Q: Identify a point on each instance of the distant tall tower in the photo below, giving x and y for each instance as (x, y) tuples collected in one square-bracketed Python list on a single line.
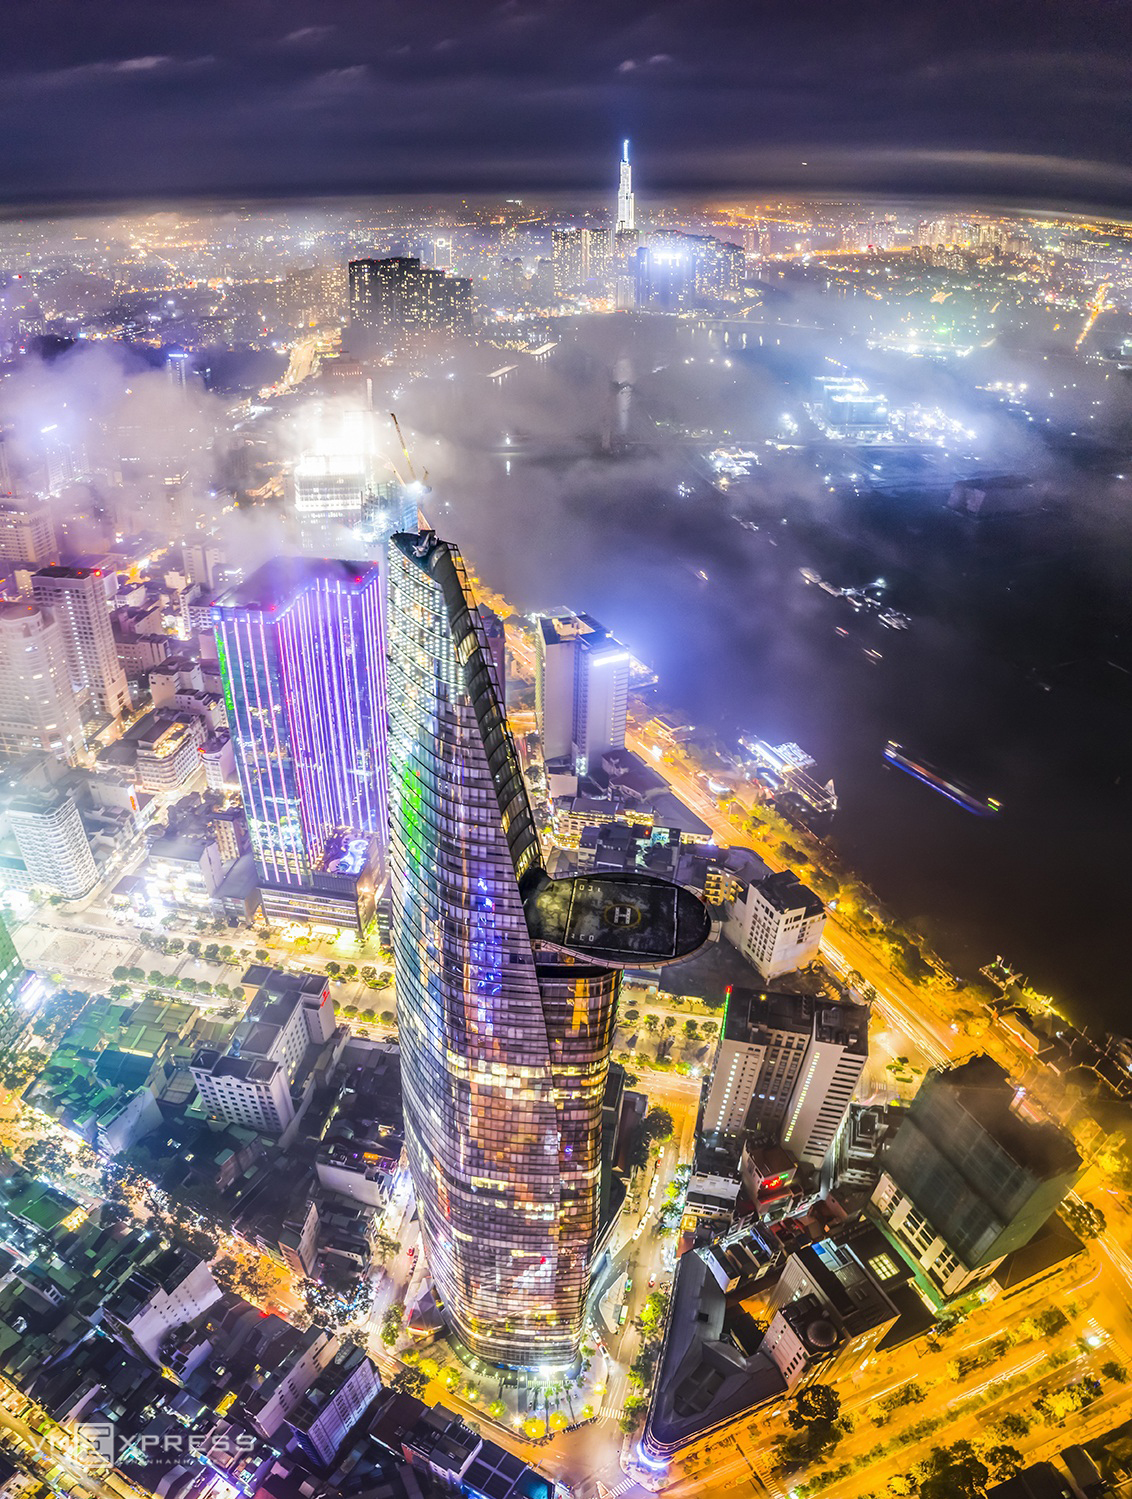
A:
[(626, 220)]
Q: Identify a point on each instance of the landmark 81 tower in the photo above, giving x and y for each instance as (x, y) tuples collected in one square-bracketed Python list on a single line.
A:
[(507, 984)]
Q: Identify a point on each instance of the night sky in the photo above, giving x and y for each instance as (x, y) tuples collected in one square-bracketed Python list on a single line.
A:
[(130, 98)]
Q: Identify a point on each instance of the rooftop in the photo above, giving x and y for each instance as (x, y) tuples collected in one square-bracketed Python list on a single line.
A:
[(617, 918), (278, 582), (785, 892)]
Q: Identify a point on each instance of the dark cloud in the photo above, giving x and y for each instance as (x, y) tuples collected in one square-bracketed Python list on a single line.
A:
[(127, 98)]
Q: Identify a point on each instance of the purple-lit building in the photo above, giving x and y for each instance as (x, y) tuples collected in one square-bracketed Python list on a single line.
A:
[(302, 655)]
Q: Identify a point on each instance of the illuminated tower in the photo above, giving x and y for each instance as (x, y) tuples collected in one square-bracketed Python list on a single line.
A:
[(301, 653), (626, 221), (507, 983)]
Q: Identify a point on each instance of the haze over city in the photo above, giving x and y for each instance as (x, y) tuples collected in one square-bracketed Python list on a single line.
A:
[(564, 736)]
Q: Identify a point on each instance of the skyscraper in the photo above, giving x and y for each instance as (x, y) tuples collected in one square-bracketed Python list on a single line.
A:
[(301, 652), (581, 689), (507, 983), (397, 303), (76, 596), (38, 705), (626, 218)]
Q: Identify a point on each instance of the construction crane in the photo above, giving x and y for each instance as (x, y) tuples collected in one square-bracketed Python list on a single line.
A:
[(405, 449)]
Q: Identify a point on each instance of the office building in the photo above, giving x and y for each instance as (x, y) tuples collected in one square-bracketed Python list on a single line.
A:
[(76, 598), (255, 1082), (776, 923), (972, 1173), (27, 536), (507, 983), (786, 1068), (39, 708), (626, 220), (398, 303), (14, 983), (53, 842), (302, 659), (581, 690)]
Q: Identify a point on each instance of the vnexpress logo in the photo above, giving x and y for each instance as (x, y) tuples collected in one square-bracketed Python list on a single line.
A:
[(100, 1436)]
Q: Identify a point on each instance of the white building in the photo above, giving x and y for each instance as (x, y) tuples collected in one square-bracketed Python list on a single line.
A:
[(581, 690), (53, 842), (76, 596), (27, 536), (251, 1083), (835, 1059), (38, 705), (787, 1067), (334, 1404), (776, 923), (174, 1290)]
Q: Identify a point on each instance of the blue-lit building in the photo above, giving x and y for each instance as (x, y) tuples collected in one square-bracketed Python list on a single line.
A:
[(301, 648), (507, 983)]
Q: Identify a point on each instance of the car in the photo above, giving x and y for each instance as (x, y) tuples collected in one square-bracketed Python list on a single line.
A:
[(638, 1231), (652, 1279)]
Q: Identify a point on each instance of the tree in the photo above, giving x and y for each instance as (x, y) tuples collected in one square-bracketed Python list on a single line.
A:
[(385, 1247), (631, 1017), (261, 954), (1086, 1221), (815, 1402), (120, 973), (954, 1472), (1013, 1424), (1115, 1371), (412, 1382), (1003, 1462), (652, 1023), (657, 1125), (388, 1017), (392, 1322), (670, 1022), (691, 1029)]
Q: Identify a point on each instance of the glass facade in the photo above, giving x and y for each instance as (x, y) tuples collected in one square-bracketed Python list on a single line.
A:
[(13, 976), (301, 648), (504, 1049)]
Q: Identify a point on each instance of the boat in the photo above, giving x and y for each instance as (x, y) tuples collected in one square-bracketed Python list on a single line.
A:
[(874, 656), (921, 770), (893, 619), (809, 575), (841, 630)]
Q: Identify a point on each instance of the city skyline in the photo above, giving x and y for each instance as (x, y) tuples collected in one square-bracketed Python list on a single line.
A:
[(561, 763)]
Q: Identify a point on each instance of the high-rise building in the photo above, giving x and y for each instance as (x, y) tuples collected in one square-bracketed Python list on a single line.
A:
[(581, 259), (581, 690), (53, 842), (776, 923), (333, 477), (972, 1174), (290, 1018), (38, 705), (786, 1068), (14, 980), (507, 983), (27, 536), (76, 597), (301, 650), (626, 221), (398, 303)]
